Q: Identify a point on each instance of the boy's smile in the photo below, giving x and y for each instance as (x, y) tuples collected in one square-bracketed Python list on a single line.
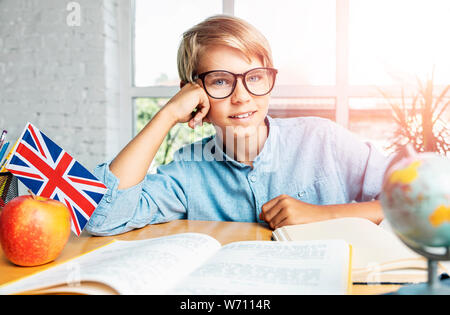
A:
[(243, 116)]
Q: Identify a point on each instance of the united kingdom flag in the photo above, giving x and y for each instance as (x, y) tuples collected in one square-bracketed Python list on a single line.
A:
[(49, 171)]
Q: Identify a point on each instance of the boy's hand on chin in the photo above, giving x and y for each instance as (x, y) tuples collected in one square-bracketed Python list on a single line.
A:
[(182, 105), (286, 210)]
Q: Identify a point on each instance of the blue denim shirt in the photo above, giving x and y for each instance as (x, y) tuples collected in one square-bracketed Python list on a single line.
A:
[(312, 159)]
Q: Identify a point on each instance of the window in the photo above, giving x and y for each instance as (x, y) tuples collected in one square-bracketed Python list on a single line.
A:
[(302, 35), (159, 26), (392, 42), (333, 56)]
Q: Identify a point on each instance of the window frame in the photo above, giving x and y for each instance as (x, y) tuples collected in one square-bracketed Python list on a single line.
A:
[(342, 91)]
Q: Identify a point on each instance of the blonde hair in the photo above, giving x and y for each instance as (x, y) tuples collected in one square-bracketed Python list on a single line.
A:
[(220, 30)]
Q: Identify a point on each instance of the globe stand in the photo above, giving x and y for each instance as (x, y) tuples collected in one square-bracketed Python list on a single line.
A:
[(433, 286)]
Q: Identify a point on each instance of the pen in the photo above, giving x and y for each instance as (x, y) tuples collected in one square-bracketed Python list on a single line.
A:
[(3, 150), (2, 137), (2, 166)]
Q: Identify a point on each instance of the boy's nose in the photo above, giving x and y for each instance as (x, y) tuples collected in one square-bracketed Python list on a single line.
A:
[(240, 93)]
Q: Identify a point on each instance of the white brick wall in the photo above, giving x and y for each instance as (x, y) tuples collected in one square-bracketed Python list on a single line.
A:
[(64, 79)]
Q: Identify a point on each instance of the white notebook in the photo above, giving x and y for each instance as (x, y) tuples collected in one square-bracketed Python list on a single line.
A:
[(378, 255)]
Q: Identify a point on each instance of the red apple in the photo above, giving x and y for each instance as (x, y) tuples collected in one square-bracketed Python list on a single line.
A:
[(33, 230)]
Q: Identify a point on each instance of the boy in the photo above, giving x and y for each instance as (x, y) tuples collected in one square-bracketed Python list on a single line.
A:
[(256, 168)]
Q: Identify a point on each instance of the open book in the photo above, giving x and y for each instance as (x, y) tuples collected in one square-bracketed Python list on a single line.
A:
[(194, 263), (378, 255)]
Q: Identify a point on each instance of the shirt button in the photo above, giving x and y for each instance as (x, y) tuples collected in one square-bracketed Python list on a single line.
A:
[(108, 198), (252, 178), (301, 194)]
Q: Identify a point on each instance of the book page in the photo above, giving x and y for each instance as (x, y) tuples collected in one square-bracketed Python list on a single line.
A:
[(265, 267), (129, 267)]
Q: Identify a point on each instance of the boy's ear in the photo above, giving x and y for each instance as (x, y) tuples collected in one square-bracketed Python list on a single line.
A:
[(182, 83)]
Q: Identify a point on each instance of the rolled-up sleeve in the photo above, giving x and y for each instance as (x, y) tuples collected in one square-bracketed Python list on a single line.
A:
[(158, 198), (361, 166)]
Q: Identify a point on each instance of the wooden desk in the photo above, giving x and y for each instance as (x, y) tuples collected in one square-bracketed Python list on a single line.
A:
[(224, 232)]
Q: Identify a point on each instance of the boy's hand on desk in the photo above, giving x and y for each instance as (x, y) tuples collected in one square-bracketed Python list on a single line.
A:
[(286, 210)]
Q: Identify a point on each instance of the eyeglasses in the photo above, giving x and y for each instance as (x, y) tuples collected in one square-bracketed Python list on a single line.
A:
[(221, 84)]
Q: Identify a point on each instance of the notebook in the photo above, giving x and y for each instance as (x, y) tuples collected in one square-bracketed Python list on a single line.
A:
[(378, 255)]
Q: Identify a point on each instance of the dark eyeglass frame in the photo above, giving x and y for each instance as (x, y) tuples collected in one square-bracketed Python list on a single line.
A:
[(202, 76)]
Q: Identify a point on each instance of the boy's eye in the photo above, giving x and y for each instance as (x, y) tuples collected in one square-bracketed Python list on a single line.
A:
[(254, 78), (220, 82)]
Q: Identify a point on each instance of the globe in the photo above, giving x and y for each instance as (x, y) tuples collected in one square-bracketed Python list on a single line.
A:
[(416, 199)]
